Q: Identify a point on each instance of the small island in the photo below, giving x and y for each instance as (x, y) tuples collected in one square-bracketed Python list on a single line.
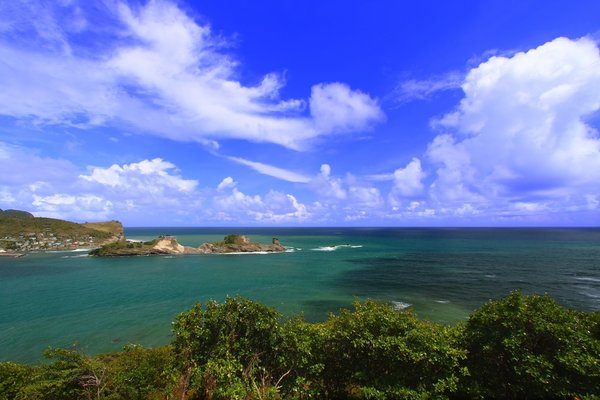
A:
[(168, 245)]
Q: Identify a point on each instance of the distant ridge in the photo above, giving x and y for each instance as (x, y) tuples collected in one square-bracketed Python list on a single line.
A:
[(16, 214)]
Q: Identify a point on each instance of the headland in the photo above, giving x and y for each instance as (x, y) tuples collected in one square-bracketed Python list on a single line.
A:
[(21, 232)]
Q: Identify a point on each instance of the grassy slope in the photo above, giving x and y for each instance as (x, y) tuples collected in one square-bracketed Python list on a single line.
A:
[(14, 224), (112, 227)]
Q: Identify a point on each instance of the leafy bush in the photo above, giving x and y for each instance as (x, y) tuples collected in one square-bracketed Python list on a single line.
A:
[(138, 373), (378, 351), (233, 239), (530, 347), (238, 340), (517, 347), (13, 377), (68, 377)]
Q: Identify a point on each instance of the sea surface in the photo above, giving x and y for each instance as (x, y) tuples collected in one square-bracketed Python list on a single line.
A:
[(102, 304)]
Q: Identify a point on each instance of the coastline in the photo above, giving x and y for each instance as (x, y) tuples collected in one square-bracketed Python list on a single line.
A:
[(11, 254)]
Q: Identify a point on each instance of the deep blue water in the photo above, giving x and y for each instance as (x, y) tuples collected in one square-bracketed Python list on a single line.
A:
[(58, 299)]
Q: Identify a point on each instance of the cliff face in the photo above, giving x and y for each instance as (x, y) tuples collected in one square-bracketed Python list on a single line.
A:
[(169, 245)]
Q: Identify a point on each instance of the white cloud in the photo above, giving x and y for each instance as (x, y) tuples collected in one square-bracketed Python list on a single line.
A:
[(337, 108), (237, 202), (147, 176), (327, 187), (82, 207), (521, 140), (415, 89), (408, 181), (227, 182), (167, 67), (362, 196), (275, 207), (271, 170), (282, 208)]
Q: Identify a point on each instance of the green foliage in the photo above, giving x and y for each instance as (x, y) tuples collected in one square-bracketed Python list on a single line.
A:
[(15, 223), (302, 354), (13, 377), (138, 373), (112, 227), (387, 352), (8, 244), (517, 347), (66, 378), (530, 347), (16, 214), (233, 239), (124, 248), (238, 341)]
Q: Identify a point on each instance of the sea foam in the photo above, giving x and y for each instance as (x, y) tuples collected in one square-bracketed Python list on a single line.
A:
[(400, 305), (336, 247)]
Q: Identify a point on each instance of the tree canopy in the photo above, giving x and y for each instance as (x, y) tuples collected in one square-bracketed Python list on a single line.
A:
[(518, 347)]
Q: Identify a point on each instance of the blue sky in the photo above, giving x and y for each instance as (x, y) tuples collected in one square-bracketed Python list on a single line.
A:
[(353, 113)]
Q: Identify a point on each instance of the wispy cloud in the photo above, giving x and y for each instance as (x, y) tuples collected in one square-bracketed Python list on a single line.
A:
[(270, 170), (421, 89), (167, 67)]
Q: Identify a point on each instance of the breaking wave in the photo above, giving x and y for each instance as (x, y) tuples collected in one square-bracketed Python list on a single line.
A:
[(400, 305), (336, 247)]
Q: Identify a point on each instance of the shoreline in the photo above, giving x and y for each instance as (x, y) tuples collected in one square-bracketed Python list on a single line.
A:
[(13, 255)]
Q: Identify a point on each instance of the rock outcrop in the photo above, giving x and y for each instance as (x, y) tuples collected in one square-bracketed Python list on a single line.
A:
[(246, 246), (166, 245)]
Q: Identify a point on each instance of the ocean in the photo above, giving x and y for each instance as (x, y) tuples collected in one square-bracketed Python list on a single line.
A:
[(101, 304)]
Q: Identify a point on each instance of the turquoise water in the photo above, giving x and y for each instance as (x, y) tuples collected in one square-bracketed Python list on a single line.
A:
[(58, 299)]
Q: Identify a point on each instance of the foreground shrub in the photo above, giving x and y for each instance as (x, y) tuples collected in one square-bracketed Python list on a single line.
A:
[(530, 347), (13, 377), (517, 347), (237, 342), (138, 373), (378, 352), (70, 376)]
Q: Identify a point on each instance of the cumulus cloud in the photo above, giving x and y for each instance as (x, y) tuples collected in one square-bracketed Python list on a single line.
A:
[(275, 207), (408, 181), (165, 66), (282, 208), (328, 187), (520, 139), (144, 177), (337, 108), (363, 196), (56, 188)]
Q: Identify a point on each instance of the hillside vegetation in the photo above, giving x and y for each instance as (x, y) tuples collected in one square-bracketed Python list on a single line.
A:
[(520, 347), (113, 227), (125, 248), (20, 230)]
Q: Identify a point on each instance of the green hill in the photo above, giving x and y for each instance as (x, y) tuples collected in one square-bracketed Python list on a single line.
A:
[(16, 214), (20, 230)]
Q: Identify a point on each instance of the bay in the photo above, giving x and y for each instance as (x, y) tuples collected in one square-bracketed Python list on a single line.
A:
[(101, 304)]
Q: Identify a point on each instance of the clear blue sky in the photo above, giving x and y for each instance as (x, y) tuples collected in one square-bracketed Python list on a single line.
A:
[(302, 113)]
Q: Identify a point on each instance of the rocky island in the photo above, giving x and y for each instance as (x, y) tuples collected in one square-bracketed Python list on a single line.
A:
[(168, 245)]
